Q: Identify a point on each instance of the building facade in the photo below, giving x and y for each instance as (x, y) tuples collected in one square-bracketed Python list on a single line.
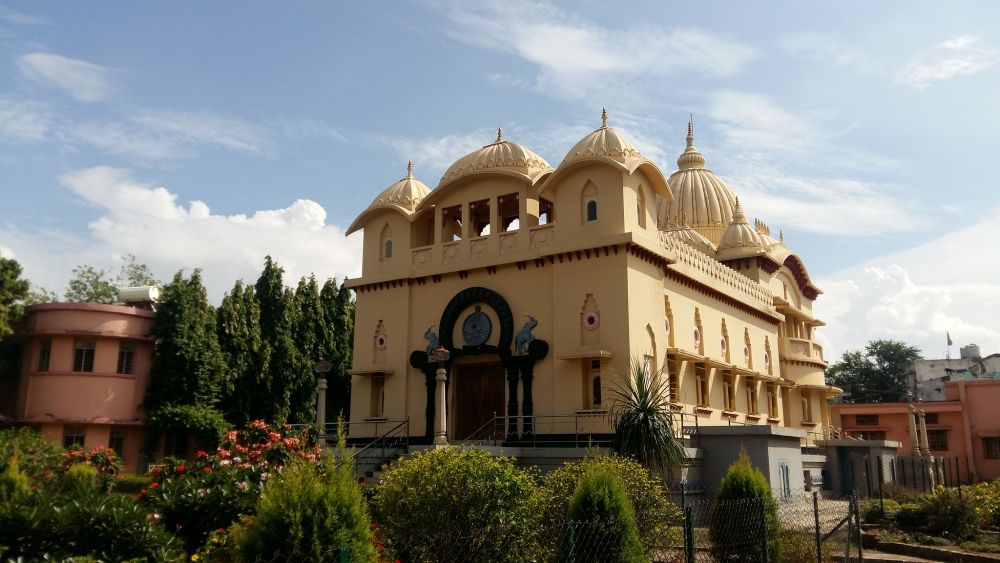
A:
[(927, 377), (544, 283), (963, 427), (84, 372)]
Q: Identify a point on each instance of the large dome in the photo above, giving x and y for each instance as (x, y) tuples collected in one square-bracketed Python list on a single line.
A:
[(604, 142), (502, 156), (699, 194), (403, 196)]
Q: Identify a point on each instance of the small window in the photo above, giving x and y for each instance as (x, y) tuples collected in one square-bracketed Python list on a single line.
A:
[(806, 407), (545, 212), (451, 223), (937, 440), (729, 392), (44, 355), (116, 441), (387, 250), (126, 355), (672, 376), (991, 448), (595, 388), (509, 212), (752, 406), (866, 419), (386, 238), (479, 214), (591, 210), (83, 355), (73, 436), (931, 418), (772, 401), (702, 382), (378, 395)]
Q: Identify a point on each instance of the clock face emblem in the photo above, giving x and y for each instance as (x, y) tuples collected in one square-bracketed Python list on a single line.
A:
[(477, 328)]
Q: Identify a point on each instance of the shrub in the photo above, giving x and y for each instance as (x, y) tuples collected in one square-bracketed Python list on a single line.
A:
[(303, 515), (80, 480), (104, 460), (608, 532), (951, 515), (459, 499), (131, 484), (797, 547), (911, 516), (206, 424), (899, 493), (986, 499), (36, 456), (872, 512), (53, 525), (14, 483), (744, 521), (653, 512)]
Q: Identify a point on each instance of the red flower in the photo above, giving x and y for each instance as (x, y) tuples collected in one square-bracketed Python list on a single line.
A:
[(181, 468), (201, 453), (374, 526), (155, 471), (206, 469), (153, 485)]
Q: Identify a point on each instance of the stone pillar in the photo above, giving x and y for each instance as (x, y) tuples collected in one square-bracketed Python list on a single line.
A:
[(321, 409), (511, 402), (914, 437), (924, 445), (441, 428), (430, 382), (527, 406)]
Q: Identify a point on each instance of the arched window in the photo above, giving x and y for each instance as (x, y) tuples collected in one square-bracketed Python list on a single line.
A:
[(386, 242), (640, 207), (588, 200)]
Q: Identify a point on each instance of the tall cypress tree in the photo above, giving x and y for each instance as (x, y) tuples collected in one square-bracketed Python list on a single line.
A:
[(276, 321), (343, 325), (247, 390), (310, 334), (188, 366)]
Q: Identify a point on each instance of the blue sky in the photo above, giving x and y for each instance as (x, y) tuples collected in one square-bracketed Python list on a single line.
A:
[(209, 135)]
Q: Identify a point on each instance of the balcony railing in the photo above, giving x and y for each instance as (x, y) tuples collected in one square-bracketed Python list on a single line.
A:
[(800, 348)]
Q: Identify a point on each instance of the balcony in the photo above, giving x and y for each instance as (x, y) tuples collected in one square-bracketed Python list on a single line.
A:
[(801, 349)]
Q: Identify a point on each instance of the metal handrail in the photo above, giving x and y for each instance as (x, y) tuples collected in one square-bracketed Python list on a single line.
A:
[(401, 430), (499, 424)]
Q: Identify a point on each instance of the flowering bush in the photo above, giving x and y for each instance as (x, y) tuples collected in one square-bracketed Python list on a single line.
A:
[(104, 460), (36, 456), (986, 499), (194, 497)]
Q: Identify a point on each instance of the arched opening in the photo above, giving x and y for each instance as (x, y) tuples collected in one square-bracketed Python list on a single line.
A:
[(588, 199), (386, 242), (640, 207)]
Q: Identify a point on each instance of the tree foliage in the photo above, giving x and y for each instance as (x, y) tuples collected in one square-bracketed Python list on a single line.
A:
[(877, 374), (744, 511), (91, 285), (247, 387), (643, 423), (609, 527), (13, 293)]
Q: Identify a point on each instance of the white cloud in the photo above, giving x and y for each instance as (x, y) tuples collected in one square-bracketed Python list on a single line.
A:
[(431, 156), (87, 82), (23, 120), (147, 221), (947, 284), (819, 46), (575, 57), (20, 18), (765, 146), (959, 56)]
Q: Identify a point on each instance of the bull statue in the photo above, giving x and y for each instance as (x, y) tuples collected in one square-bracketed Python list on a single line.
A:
[(524, 336)]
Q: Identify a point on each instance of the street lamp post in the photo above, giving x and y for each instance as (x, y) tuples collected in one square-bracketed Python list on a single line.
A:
[(441, 356), (322, 368)]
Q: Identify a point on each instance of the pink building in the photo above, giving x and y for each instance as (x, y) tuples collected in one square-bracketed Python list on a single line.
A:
[(966, 425), (84, 372)]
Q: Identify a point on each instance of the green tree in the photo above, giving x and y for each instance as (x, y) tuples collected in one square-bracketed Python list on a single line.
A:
[(643, 423), (604, 520), (188, 366), (277, 315), (338, 315), (877, 374), (90, 285), (744, 519), (134, 273), (13, 293), (310, 334), (247, 387)]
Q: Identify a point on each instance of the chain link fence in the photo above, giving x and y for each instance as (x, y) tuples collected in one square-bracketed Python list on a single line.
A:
[(798, 528)]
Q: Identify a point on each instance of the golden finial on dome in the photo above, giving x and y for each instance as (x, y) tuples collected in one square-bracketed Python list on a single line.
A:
[(690, 136), (409, 168), (781, 235), (499, 134), (604, 118)]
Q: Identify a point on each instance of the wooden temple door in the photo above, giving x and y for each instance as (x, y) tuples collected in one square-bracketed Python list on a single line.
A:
[(479, 395)]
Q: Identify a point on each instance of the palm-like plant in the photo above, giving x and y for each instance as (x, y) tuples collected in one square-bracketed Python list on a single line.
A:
[(642, 420)]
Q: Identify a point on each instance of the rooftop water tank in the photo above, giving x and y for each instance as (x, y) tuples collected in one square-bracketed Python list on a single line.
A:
[(143, 296), (969, 352)]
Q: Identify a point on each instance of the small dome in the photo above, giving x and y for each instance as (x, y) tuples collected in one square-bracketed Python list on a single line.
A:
[(403, 196), (684, 233), (405, 193), (740, 239), (698, 193), (604, 142), (502, 155)]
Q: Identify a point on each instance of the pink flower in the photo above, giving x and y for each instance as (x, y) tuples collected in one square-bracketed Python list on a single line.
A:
[(201, 453)]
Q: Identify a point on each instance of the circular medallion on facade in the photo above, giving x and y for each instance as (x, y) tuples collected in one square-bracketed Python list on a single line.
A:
[(746, 353), (542, 238), (666, 323), (724, 345), (422, 258), (697, 337), (478, 248), (509, 242), (767, 359), (380, 341), (451, 253), (591, 320), (477, 328)]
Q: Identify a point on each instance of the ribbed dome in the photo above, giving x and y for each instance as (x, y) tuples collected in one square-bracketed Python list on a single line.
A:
[(405, 193), (604, 142), (698, 193), (501, 155), (740, 239)]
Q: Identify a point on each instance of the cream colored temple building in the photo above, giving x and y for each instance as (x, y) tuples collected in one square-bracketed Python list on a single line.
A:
[(543, 282)]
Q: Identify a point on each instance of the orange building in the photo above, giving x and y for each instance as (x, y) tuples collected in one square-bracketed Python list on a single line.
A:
[(965, 426), (84, 372)]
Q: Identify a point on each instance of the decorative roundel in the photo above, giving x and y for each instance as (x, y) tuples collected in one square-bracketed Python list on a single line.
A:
[(591, 320), (724, 345), (380, 341), (746, 353), (697, 337), (767, 359), (666, 323)]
